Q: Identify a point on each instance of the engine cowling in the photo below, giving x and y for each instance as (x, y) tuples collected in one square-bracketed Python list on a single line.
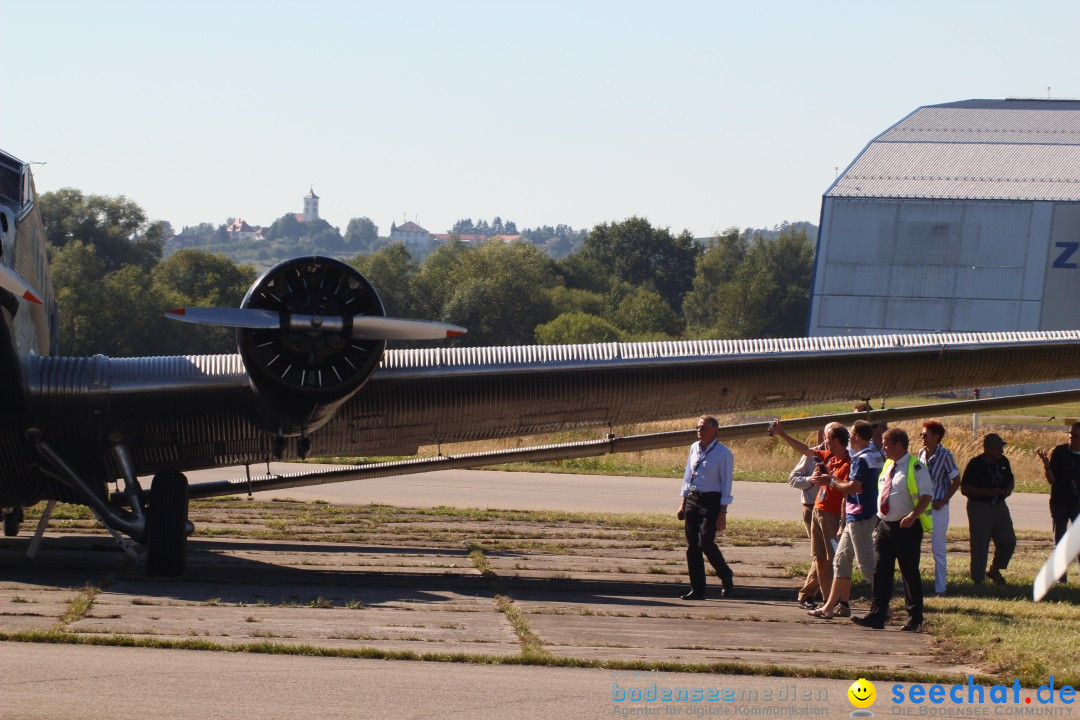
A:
[(304, 370)]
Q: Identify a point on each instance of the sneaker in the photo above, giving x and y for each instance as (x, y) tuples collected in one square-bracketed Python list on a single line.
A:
[(808, 604), (911, 626), (842, 609), (995, 575)]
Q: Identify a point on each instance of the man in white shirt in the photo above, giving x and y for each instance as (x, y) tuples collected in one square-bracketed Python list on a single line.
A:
[(706, 494), (905, 492)]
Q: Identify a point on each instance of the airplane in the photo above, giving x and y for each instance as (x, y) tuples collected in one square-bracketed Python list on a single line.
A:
[(312, 373)]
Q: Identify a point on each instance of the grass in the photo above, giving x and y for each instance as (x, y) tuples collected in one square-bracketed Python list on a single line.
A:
[(1000, 628), (78, 606)]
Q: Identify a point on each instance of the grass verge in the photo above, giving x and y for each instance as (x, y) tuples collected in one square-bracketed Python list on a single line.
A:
[(531, 646)]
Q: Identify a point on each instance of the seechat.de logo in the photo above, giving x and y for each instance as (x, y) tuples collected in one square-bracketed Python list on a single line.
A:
[(862, 695)]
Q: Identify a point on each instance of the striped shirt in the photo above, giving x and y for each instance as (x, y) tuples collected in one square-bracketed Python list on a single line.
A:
[(942, 470)]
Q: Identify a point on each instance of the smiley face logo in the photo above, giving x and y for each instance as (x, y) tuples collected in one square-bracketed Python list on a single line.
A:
[(861, 693)]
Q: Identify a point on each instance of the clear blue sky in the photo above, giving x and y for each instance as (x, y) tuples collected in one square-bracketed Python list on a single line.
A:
[(697, 115)]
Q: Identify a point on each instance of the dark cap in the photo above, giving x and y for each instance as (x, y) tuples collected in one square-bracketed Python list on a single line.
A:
[(993, 439)]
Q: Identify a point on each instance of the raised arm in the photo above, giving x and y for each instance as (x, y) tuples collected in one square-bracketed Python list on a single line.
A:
[(799, 447)]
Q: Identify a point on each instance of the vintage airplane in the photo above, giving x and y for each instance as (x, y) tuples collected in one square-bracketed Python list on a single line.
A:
[(311, 337)]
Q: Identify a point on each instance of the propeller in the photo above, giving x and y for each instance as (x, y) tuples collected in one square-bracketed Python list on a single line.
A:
[(14, 284), (1067, 550), (367, 327)]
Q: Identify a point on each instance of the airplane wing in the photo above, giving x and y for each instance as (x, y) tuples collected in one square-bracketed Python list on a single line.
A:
[(204, 411)]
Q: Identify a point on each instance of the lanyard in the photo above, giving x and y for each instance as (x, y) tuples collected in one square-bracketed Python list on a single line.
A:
[(701, 459)]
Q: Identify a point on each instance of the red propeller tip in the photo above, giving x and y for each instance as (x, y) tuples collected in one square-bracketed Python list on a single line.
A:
[(453, 333), (178, 311), (32, 297)]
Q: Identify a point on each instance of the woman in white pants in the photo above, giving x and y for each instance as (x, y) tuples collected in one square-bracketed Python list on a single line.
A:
[(946, 477)]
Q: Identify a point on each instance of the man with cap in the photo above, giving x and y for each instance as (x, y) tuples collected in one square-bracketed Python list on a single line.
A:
[(987, 482)]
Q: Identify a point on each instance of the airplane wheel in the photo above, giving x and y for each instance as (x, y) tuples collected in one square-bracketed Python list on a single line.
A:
[(12, 521), (166, 525)]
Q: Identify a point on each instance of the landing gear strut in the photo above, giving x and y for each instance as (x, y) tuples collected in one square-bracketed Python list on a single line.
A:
[(160, 523)]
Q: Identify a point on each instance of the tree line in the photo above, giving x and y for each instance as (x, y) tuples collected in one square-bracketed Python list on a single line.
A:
[(627, 281)]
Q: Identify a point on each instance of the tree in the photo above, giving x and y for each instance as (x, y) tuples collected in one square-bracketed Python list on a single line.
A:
[(585, 272), (769, 293), (115, 227), (645, 315), (497, 290), (637, 253), (203, 232), (77, 274), (361, 235), (566, 300), (324, 238), (392, 271), (497, 226), (463, 227), (132, 322), (435, 281), (118, 313), (715, 269), (286, 227), (204, 278), (577, 327)]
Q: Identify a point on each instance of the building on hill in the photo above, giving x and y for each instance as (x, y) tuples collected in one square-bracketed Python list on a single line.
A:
[(961, 217), (410, 232), (238, 231), (311, 207)]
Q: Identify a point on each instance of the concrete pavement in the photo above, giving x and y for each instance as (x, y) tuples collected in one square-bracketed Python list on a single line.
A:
[(560, 491)]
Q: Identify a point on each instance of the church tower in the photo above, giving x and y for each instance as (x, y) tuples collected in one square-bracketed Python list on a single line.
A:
[(311, 206)]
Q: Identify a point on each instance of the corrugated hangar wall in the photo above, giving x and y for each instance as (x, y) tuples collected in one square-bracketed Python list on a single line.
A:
[(961, 217)]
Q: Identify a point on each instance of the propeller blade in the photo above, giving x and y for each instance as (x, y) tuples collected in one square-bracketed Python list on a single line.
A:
[(1067, 550), (14, 284), (372, 327), (250, 318), (364, 326)]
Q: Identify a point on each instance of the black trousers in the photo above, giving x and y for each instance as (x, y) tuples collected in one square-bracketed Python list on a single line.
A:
[(896, 545), (700, 525)]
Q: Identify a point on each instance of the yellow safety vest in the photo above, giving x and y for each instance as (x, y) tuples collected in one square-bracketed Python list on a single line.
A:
[(925, 520)]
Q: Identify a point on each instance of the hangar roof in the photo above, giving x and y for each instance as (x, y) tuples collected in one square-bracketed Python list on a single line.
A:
[(1015, 149)]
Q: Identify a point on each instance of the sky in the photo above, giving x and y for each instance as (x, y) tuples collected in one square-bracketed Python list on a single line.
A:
[(696, 115)]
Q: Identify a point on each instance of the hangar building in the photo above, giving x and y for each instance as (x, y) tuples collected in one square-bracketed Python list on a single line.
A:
[(961, 217)]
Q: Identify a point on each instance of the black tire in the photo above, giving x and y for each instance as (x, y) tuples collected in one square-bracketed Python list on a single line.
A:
[(12, 521), (166, 525)]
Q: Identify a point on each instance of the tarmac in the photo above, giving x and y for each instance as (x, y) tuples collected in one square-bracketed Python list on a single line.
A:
[(565, 491), (583, 592)]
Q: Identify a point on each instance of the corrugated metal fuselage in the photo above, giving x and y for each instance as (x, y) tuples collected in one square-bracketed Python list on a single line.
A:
[(194, 412)]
